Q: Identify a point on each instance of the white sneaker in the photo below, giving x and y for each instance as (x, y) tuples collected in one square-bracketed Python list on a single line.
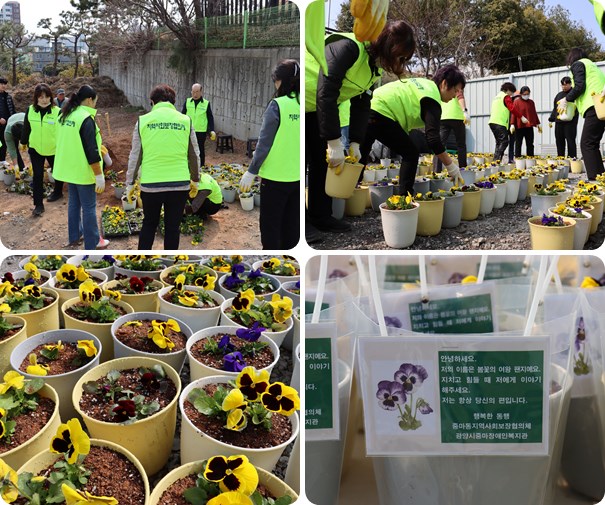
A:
[(103, 243)]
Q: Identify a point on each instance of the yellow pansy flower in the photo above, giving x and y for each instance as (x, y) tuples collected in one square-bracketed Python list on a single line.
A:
[(70, 440), (88, 346), (230, 498), (282, 307), (5, 308), (243, 301), (34, 368), (589, 282), (233, 473), (8, 492), (73, 497), (234, 400), (12, 379), (32, 270)]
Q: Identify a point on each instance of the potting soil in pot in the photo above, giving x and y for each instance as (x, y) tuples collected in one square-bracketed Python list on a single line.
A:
[(28, 424), (71, 312), (259, 359), (174, 494), (10, 333), (137, 337), (112, 474), (100, 407), (68, 359), (253, 437)]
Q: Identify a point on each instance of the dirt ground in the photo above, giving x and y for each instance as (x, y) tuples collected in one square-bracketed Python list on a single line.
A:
[(231, 228)]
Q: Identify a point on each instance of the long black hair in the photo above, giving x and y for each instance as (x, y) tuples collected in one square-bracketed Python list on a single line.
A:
[(76, 99), (577, 53), (39, 90), (288, 72)]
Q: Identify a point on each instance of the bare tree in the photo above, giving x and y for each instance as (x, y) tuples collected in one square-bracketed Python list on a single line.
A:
[(53, 36)]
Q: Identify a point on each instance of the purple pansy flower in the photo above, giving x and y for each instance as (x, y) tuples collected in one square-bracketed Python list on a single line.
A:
[(232, 281), (109, 257), (254, 274), (424, 407), (456, 278), (392, 321), (411, 377), (390, 394), (251, 334), (234, 362), (581, 334), (29, 282), (225, 344), (297, 284), (238, 268)]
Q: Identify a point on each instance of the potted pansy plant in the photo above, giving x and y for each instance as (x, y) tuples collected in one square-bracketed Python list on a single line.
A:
[(139, 265), (238, 281), (30, 274), (228, 350), (224, 265), (39, 307), (131, 402), (139, 292), (198, 306), (582, 218), (29, 415), (222, 480), (12, 333), (102, 263), (399, 217), (51, 262), (251, 415), (551, 232), (245, 310), (195, 275), (430, 214), (283, 271), (76, 470)]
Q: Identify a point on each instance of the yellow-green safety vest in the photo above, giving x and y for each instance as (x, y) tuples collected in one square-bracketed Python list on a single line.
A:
[(599, 10), (207, 182), (165, 136), (358, 79), (198, 115), (452, 109), (400, 100), (595, 81), (71, 164), (281, 164), (43, 136), (344, 113), (500, 114)]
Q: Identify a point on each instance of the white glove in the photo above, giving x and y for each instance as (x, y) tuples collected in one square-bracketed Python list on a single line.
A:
[(512, 129), (354, 151), (212, 135), (467, 118), (336, 153), (49, 173), (107, 161), (524, 120), (99, 183), (245, 183), (453, 170), (562, 106)]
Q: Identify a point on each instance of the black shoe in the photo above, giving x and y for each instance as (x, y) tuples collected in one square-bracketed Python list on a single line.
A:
[(333, 225), (54, 197), (38, 210), (312, 235)]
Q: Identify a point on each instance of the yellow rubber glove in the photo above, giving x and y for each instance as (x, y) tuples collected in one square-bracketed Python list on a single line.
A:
[(539, 129), (212, 136), (22, 147), (193, 189)]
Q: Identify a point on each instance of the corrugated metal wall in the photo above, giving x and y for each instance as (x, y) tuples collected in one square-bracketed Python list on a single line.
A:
[(544, 85)]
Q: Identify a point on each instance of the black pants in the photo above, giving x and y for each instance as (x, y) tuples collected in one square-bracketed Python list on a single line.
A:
[(565, 132), (457, 126), (20, 162), (501, 135), (397, 140), (279, 214), (208, 208), (528, 135), (592, 133), (174, 205), (511, 147), (3, 147), (201, 139), (38, 169), (319, 204)]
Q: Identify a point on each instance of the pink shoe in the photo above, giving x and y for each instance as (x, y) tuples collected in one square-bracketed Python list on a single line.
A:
[(103, 243)]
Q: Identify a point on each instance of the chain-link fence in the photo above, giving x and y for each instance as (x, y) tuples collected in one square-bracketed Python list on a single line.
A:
[(272, 27)]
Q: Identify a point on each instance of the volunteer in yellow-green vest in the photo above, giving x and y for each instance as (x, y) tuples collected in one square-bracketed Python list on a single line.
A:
[(39, 133), (499, 120), (78, 162), (353, 68), (404, 105), (277, 161), (164, 157), (454, 118), (209, 198), (200, 112), (587, 79)]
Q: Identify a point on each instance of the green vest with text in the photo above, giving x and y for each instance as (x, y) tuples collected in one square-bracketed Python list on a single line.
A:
[(282, 162), (400, 101), (452, 110), (595, 81), (358, 79), (500, 114), (43, 136), (71, 164), (165, 136), (207, 182), (198, 115)]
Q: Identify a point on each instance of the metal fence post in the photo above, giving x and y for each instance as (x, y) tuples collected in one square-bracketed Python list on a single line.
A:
[(245, 28), (205, 33)]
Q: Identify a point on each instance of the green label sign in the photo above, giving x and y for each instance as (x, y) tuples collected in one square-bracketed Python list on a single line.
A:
[(318, 384), (401, 273), (471, 314), (503, 270), (491, 396), (310, 306)]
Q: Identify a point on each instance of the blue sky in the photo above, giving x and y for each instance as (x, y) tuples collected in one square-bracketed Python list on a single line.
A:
[(581, 10)]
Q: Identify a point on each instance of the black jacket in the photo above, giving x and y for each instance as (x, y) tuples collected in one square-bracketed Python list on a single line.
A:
[(7, 107), (341, 55), (553, 115), (578, 71)]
